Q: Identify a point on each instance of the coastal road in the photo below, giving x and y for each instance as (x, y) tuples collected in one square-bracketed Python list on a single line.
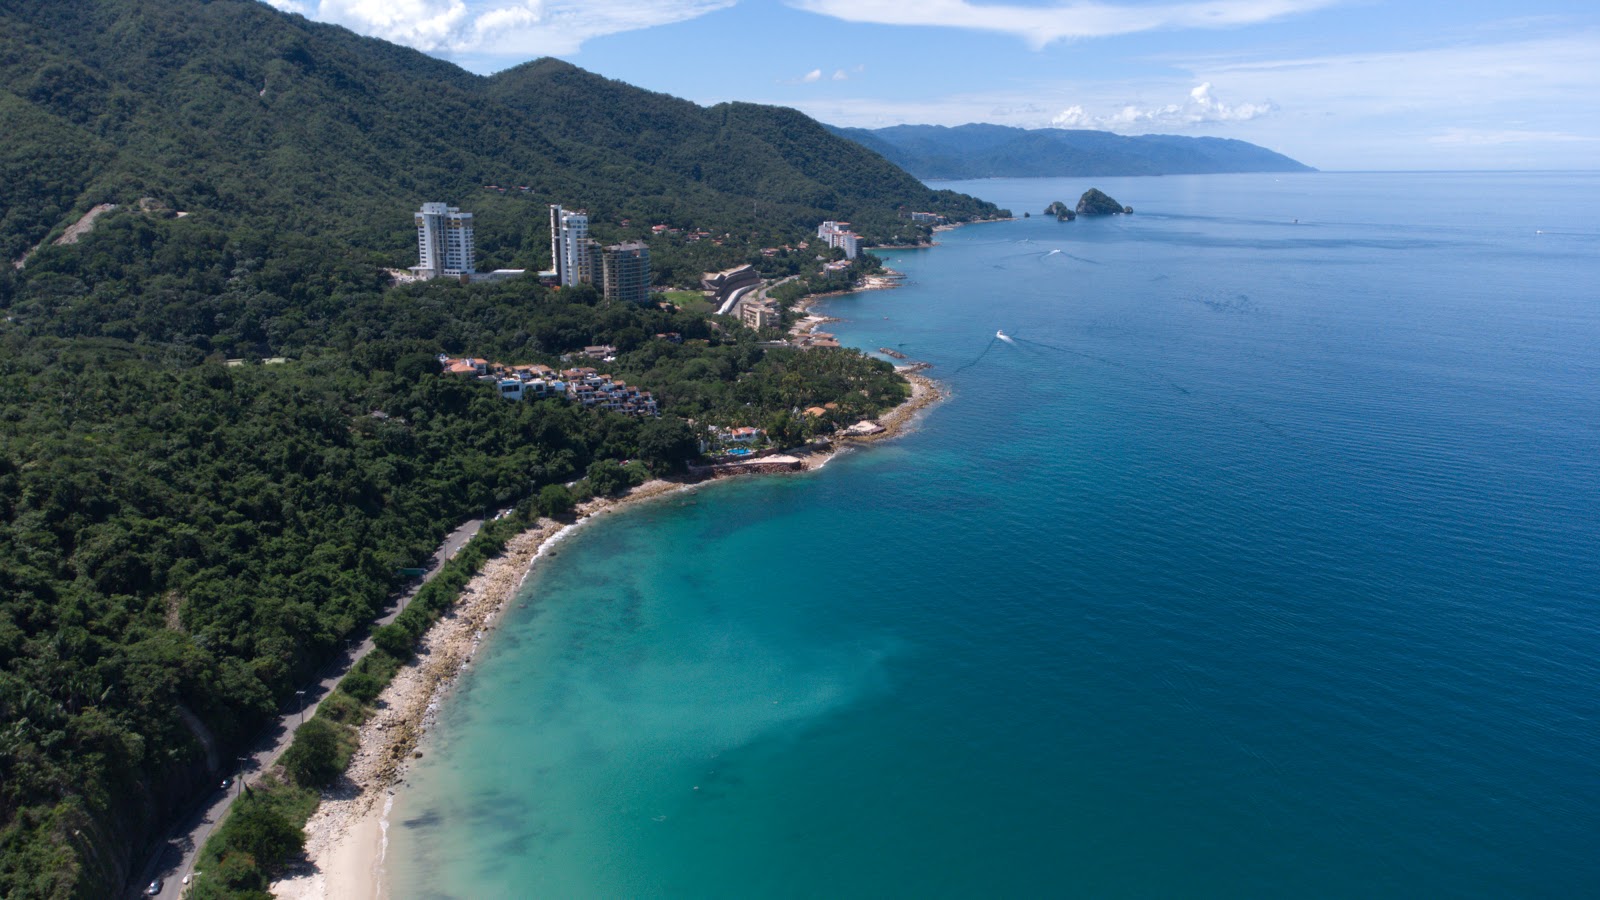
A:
[(176, 856)]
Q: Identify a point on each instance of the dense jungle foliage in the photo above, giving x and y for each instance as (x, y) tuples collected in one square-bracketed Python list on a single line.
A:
[(182, 542), (177, 534)]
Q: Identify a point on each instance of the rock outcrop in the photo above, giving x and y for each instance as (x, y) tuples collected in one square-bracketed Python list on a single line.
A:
[(1061, 211), (1094, 202)]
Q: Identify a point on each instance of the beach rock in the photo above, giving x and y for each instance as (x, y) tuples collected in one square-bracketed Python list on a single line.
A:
[(1094, 202)]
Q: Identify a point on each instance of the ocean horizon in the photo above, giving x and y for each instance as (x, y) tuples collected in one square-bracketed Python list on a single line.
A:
[(1263, 558)]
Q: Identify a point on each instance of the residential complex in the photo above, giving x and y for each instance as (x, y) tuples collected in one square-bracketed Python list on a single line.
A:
[(621, 271), (625, 272), (838, 234), (446, 249), (583, 385), (444, 241), (570, 248)]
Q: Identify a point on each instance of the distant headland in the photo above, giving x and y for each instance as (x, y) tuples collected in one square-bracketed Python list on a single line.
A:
[(936, 152)]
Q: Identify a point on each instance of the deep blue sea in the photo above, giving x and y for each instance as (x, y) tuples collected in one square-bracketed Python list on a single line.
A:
[(1264, 562)]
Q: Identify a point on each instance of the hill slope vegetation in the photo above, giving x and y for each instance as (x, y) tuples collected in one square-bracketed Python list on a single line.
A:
[(235, 111)]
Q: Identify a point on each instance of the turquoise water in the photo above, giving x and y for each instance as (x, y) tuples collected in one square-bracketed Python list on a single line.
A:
[(1264, 562)]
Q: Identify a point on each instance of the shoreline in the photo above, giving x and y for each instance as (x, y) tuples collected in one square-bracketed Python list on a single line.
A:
[(808, 322), (347, 835)]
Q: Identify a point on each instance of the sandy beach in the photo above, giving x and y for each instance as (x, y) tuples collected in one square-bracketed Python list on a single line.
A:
[(346, 838)]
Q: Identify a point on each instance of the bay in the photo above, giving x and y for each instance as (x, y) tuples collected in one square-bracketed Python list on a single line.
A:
[(1263, 560)]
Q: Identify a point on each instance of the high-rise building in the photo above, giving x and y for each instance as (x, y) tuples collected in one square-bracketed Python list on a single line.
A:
[(444, 241), (570, 254), (838, 234), (625, 272)]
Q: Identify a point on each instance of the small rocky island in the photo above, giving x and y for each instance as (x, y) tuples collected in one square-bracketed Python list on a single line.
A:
[(1094, 202), (1061, 211)]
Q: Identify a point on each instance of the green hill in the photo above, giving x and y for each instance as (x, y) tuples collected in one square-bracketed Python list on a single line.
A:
[(234, 111), (183, 541)]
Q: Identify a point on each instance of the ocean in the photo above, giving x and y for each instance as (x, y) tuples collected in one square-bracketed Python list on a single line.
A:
[(1264, 560)]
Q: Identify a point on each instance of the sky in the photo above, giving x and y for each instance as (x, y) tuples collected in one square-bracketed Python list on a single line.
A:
[(1336, 84)]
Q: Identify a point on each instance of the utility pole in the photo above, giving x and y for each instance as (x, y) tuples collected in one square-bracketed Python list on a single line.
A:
[(242, 761), (302, 696)]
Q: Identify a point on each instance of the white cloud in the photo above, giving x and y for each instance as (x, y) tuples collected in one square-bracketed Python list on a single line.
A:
[(1200, 108), (816, 75), (811, 77), (1515, 103), (520, 29), (1042, 25), (424, 24)]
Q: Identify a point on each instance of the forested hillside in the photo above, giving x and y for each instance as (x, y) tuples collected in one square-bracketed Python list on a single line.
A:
[(235, 112), (998, 151), (179, 537)]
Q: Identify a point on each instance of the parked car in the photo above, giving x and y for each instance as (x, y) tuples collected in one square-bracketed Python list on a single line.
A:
[(153, 889)]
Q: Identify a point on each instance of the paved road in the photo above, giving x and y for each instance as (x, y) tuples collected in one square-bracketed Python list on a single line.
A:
[(177, 856)]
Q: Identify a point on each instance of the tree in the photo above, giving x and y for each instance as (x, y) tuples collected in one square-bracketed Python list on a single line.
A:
[(667, 444), (361, 686), (393, 640), (607, 478), (554, 500), (263, 831), (415, 366), (234, 877), (314, 758)]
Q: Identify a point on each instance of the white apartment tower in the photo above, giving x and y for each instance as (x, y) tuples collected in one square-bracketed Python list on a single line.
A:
[(838, 234), (444, 241), (570, 253)]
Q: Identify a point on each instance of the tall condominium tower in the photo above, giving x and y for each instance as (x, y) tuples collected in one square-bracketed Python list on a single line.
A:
[(570, 255), (838, 234), (444, 241), (625, 272)]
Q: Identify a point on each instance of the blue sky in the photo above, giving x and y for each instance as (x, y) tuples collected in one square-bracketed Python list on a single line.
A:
[(1338, 84)]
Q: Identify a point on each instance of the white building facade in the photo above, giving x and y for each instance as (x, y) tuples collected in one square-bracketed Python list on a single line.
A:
[(838, 234), (445, 244), (570, 252)]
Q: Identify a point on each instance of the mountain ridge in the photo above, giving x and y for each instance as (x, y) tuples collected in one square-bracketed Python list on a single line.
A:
[(232, 109), (940, 152)]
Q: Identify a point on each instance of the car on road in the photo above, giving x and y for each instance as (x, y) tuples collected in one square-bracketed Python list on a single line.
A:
[(227, 783), (153, 888)]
